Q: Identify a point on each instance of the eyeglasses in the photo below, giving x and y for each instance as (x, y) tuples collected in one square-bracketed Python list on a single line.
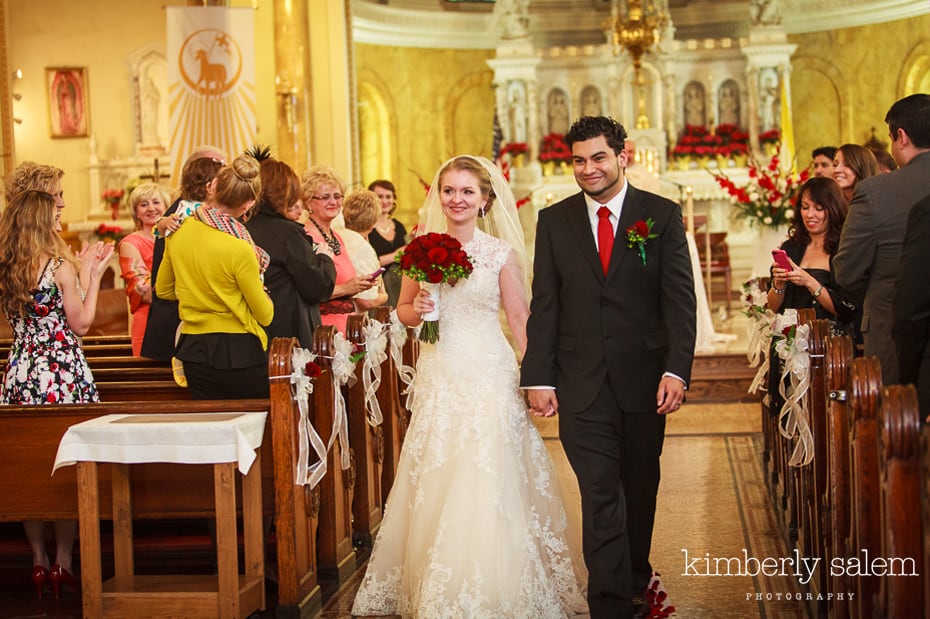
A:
[(336, 197)]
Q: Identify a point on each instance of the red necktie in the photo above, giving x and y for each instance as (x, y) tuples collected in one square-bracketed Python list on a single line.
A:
[(605, 236)]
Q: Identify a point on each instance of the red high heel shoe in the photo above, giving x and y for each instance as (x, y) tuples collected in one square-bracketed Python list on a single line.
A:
[(39, 578), (59, 576)]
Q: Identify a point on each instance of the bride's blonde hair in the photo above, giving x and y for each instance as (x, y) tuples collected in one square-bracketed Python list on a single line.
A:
[(27, 241)]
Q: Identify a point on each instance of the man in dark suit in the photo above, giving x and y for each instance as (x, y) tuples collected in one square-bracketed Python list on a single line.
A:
[(867, 261), (611, 340), (912, 305)]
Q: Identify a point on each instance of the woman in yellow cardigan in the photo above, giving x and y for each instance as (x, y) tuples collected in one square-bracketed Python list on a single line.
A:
[(214, 270)]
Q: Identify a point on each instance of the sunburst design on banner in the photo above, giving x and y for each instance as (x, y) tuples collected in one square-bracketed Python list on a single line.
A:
[(211, 86)]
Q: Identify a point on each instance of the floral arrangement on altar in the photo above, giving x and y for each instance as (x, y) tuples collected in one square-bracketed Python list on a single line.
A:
[(434, 258), (109, 234), (772, 136), (698, 142), (555, 149), (114, 199), (514, 148), (768, 199)]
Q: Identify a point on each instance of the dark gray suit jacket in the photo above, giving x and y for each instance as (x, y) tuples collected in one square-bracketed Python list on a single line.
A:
[(635, 323), (866, 263)]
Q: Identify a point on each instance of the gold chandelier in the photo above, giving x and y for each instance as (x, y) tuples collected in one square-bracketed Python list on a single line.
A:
[(635, 25)]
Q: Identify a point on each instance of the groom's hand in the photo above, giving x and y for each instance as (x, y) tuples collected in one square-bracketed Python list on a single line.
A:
[(543, 402), (670, 395)]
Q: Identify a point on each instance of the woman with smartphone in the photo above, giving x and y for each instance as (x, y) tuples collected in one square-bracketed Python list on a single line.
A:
[(801, 274)]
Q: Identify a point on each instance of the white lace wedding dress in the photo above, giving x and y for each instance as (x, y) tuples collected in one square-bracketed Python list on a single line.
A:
[(474, 525)]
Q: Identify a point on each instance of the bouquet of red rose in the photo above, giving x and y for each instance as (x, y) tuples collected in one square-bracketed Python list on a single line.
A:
[(434, 259)]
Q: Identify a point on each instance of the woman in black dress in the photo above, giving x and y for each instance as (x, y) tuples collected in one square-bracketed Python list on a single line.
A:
[(388, 237)]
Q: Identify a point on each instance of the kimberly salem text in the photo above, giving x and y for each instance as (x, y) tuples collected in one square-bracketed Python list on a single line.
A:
[(802, 568)]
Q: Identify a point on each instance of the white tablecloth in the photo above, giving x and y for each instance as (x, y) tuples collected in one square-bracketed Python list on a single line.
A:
[(184, 438)]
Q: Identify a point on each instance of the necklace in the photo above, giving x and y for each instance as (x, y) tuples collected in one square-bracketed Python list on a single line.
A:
[(331, 240)]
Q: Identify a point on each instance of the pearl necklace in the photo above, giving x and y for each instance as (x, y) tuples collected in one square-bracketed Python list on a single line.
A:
[(331, 240)]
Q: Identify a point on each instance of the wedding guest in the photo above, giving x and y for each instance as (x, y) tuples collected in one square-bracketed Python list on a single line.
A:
[(822, 161), (213, 268), (886, 162), (147, 204), (196, 177), (360, 211), (851, 164), (322, 191), (474, 525), (298, 278), (869, 256), (48, 308), (388, 238), (31, 175)]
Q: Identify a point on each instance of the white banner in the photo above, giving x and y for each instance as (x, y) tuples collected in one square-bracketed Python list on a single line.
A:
[(211, 80)]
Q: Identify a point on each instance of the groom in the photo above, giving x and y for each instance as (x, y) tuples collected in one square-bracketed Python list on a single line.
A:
[(611, 340)]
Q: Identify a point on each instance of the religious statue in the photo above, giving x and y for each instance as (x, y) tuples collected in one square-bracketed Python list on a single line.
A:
[(516, 115), (517, 19), (769, 103), (728, 104), (694, 105), (557, 108), (590, 101), (764, 13)]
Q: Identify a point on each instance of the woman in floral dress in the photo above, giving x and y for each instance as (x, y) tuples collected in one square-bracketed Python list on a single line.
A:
[(47, 309)]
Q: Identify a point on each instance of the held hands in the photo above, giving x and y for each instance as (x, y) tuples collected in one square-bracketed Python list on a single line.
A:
[(543, 402)]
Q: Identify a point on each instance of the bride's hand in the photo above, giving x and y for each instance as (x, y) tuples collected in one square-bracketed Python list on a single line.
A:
[(422, 304)]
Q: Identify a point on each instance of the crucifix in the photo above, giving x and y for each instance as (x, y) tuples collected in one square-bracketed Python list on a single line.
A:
[(155, 176)]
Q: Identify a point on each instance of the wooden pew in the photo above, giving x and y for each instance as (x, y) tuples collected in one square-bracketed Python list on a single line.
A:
[(335, 554), (367, 442), (296, 506), (899, 456), (865, 385), (925, 509), (839, 356)]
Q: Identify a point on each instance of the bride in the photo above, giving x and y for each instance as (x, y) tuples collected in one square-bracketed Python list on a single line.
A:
[(474, 525)]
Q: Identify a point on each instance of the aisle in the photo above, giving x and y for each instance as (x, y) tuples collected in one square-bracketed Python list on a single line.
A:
[(712, 500)]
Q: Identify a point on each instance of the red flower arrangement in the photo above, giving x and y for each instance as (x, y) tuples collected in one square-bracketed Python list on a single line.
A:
[(109, 234), (113, 196), (436, 259), (514, 148), (768, 198), (554, 148), (638, 234), (772, 136)]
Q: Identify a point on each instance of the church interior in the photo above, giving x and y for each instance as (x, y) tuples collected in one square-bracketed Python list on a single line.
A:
[(392, 88)]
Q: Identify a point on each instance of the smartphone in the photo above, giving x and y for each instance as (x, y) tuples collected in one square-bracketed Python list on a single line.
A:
[(377, 273), (781, 259)]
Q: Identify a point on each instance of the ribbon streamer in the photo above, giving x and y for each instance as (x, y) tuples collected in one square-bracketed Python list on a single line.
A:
[(343, 373), (398, 338), (375, 354), (794, 419), (302, 388), (759, 330)]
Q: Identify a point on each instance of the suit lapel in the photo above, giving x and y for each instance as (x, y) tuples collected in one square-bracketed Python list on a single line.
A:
[(580, 227), (634, 209)]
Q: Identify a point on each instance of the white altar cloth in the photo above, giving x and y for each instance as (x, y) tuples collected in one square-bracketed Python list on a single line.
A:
[(183, 438)]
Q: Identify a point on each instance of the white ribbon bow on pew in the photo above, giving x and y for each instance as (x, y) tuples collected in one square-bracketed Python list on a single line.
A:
[(375, 354), (794, 418), (398, 339), (343, 372), (307, 434)]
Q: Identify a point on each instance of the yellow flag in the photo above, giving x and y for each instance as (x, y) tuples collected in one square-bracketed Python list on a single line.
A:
[(787, 128)]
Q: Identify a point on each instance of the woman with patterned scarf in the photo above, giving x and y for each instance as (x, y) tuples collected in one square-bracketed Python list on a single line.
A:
[(213, 268)]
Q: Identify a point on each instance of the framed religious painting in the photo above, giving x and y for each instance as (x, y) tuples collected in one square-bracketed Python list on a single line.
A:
[(68, 110)]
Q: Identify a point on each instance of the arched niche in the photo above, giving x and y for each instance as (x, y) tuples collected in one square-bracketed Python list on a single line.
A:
[(557, 115), (729, 107), (375, 132), (915, 71), (694, 104)]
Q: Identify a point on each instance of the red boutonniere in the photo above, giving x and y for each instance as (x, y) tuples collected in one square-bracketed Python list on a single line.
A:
[(638, 234)]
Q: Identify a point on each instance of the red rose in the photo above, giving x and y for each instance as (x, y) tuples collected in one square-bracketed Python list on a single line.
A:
[(434, 275), (438, 255), (312, 370), (786, 331), (641, 228)]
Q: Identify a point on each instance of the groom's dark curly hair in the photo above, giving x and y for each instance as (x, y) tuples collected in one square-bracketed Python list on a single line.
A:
[(589, 127)]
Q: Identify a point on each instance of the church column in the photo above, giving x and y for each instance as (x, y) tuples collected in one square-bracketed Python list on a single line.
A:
[(292, 82), (332, 87)]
